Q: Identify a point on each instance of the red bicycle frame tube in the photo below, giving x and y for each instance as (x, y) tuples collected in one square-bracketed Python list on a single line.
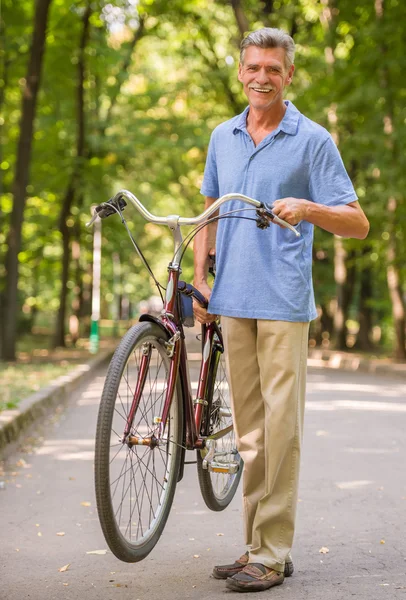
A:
[(138, 391), (207, 345)]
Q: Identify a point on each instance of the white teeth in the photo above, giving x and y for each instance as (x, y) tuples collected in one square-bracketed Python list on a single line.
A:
[(261, 90)]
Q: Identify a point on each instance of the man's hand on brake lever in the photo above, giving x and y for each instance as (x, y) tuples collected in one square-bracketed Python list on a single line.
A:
[(201, 313), (291, 210)]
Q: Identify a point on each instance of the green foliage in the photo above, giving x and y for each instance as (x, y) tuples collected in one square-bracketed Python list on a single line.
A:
[(160, 75)]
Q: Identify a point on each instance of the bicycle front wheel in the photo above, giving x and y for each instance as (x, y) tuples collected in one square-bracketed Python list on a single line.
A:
[(135, 483), (218, 488)]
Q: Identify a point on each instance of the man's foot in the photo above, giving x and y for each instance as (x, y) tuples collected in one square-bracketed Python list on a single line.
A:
[(225, 571), (254, 577)]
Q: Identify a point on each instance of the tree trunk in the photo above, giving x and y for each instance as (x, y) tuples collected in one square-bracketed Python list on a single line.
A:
[(241, 19), (59, 338), (395, 289), (364, 339), (28, 110), (345, 279)]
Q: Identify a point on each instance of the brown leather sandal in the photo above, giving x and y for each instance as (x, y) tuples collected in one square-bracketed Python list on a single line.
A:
[(254, 577), (225, 571)]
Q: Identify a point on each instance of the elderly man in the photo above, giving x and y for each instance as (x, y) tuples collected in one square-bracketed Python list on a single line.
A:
[(263, 289)]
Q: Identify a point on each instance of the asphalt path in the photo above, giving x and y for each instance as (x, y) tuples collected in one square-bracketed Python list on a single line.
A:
[(351, 531)]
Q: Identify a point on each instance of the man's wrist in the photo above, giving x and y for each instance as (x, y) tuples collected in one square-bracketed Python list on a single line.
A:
[(200, 278)]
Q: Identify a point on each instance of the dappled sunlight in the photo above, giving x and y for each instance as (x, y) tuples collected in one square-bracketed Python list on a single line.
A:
[(397, 390), (91, 396), (354, 485), (332, 405), (372, 450), (71, 449)]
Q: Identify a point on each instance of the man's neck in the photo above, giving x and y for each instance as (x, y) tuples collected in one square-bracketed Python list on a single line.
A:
[(265, 120)]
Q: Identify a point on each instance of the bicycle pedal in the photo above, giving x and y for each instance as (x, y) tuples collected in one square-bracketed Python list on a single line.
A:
[(227, 468)]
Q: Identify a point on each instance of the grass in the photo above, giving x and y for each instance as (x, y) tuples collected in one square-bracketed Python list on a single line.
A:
[(19, 380), (37, 365)]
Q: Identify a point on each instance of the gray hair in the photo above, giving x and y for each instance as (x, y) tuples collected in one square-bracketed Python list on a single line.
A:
[(270, 37)]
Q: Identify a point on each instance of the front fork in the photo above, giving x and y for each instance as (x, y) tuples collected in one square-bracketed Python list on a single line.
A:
[(173, 351)]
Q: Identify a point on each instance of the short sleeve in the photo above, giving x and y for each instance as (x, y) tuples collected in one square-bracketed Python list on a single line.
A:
[(329, 181), (210, 185)]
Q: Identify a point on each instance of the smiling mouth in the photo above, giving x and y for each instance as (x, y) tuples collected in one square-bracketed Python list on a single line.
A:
[(261, 90)]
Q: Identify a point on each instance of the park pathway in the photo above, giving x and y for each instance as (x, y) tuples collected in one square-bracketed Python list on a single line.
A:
[(351, 534)]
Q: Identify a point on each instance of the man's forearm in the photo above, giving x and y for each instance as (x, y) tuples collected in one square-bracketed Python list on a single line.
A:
[(347, 220), (204, 241)]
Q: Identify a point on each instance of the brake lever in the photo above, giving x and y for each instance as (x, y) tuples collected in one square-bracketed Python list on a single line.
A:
[(92, 220), (262, 222)]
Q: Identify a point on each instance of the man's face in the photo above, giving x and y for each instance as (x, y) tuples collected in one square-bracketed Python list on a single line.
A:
[(264, 76)]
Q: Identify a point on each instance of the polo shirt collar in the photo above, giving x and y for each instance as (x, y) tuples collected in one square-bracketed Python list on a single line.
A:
[(289, 123)]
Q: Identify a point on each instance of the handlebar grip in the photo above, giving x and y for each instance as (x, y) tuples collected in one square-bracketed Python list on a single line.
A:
[(268, 209), (190, 290)]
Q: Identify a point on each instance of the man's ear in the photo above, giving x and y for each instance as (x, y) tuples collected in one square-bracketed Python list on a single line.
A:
[(289, 76), (240, 67)]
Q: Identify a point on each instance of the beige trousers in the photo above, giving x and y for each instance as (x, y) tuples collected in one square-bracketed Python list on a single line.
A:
[(266, 363)]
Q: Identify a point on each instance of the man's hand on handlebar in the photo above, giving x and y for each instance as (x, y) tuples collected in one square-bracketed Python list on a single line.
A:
[(291, 210), (201, 313)]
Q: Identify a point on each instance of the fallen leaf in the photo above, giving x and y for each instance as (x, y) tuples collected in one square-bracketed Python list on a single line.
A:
[(71, 479), (193, 586), (64, 568), (17, 549), (97, 552), (36, 524), (66, 584), (191, 539), (324, 550), (39, 534), (219, 534), (382, 541), (60, 533), (86, 504), (196, 555), (120, 585)]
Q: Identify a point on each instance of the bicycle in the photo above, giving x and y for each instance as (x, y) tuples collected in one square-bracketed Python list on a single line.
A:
[(148, 417)]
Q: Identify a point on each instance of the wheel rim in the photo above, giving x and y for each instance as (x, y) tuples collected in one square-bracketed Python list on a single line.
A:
[(139, 476), (221, 418)]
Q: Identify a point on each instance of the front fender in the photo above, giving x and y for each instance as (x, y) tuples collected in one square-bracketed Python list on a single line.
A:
[(166, 328)]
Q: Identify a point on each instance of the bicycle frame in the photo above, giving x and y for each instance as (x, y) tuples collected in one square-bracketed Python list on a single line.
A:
[(170, 322)]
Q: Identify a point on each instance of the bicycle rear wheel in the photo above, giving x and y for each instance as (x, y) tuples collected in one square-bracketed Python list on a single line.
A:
[(135, 484), (218, 488)]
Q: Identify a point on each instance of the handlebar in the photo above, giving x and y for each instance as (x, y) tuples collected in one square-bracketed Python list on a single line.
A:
[(105, 209)]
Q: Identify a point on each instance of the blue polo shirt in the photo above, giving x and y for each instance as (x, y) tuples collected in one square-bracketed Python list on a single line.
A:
[(267, 274)]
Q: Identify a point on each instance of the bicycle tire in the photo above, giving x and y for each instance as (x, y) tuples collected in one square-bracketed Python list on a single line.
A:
[(145, 476), (218, 489)]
